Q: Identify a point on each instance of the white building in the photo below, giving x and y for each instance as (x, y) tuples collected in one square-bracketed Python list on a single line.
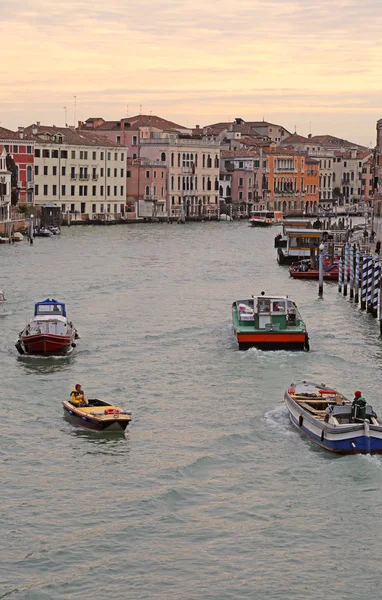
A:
[(5, 187), (82, 172), (192, 171)]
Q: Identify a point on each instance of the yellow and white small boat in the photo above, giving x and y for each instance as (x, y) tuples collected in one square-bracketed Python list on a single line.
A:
[(98, 415)]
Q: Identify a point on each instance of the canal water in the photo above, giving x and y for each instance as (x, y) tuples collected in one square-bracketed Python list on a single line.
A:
[(211, 494)]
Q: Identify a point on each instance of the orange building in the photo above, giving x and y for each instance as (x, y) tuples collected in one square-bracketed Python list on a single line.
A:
[(285, 181), (312, 184)]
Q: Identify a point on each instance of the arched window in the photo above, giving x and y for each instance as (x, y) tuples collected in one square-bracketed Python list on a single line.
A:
[(134, 156), (178, 159), (29, 173), (163, 157), (172, 182), (172, 159), (147, 190)]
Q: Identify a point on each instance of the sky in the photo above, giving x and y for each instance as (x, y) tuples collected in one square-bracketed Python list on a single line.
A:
[(314, 66)]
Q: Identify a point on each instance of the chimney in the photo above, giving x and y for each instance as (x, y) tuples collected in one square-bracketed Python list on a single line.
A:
[(80, 123), (197, 126), (309, 136), (20, 131), (38, 124)]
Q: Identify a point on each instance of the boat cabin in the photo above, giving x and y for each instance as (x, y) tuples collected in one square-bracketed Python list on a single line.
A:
[(271, 216), (270, 313), (50, 308)]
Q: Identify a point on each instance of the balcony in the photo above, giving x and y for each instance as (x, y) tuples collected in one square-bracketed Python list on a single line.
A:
[(30, 185), (187, 170), (73, 176), (95, 177), (19, 184), (84, 177), (151, 197)]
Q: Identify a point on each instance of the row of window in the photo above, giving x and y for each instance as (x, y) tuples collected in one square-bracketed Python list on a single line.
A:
[(193, 200), (15, 149), (82, 190), (72, 208), (189, 159), (83, 172), (153, 190), (191, 183), (154, 174), (82, 154)]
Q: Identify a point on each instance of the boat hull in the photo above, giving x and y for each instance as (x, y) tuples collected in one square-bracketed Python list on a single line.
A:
[(328, 275), (272, 341), (352, 439), (110, 424), (46, 344)]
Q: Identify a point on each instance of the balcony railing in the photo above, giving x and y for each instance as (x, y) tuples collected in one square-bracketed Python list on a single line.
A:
[(84, 177), (30, 185), (95, 177), (73, 176)]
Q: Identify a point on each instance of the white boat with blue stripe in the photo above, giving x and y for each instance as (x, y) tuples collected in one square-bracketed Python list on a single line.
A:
[(331, 420)]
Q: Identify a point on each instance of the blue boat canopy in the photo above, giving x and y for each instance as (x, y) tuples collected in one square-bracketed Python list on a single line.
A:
[(49, 307)]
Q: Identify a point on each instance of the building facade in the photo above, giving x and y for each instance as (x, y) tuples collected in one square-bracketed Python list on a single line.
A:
[(192, 172), (146, 183), (83, 173), (5, 187), (240, 178), (285, 182), (21, 150)]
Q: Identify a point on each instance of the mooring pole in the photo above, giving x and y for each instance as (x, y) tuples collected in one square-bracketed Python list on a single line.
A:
[(351, 260), (369, 307), (346, 269), (364, 282), (376, 287), (356, 282), (340, 268), (380, 306), (321, 271)]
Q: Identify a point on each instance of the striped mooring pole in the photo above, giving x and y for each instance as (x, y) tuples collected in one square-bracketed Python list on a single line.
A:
[(340, 268), (351, 260), (364, 282), (375, 287), (346, 269), (369, 306), (356, 282), (380, 306)]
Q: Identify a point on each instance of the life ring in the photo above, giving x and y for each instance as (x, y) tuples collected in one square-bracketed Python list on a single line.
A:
[(112, 411)]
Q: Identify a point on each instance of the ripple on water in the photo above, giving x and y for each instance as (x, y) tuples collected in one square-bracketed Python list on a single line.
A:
[(211, 493)]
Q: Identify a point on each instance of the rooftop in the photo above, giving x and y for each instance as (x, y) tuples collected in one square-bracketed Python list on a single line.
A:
[(50, 134)]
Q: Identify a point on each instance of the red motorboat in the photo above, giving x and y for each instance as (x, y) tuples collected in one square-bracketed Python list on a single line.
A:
[(49, 332), (303, 270)]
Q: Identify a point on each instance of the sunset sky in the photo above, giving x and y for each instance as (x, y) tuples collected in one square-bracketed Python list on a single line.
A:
[(314, 64)]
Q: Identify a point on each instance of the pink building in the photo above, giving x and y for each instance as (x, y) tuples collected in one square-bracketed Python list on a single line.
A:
[(131, 130), (147, 181), (242, 169)]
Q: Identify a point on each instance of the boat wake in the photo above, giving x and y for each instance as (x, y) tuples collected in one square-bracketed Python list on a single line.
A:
[(277, 418)]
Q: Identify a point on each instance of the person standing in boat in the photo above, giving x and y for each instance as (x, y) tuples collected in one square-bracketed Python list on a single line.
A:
[(359, 406), (77, 396)]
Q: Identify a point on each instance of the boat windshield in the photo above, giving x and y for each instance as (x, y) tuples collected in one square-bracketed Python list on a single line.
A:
[(49, 309)]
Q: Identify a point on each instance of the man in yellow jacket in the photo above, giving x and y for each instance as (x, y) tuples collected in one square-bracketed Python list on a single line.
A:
[(77, 396)]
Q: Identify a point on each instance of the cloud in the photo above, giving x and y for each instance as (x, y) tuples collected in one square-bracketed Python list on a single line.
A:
[(190, 58)]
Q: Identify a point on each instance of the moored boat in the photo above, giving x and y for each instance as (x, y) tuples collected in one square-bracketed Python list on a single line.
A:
[(98, 415), (269, 323), (265, 218), (332, 421), (49, 332), (303, 270)]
